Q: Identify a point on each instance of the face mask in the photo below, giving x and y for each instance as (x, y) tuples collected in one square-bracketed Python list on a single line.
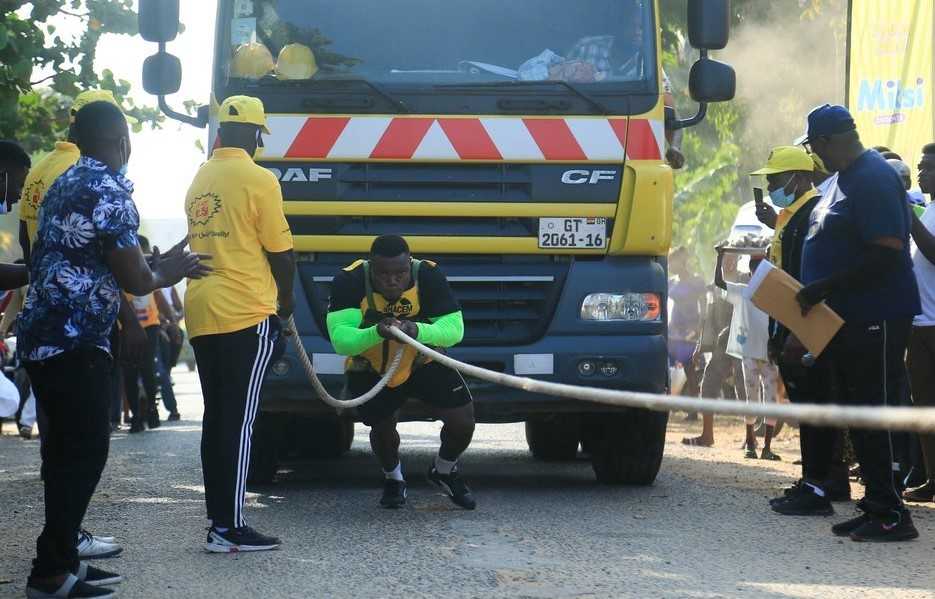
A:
[(780, 198), (258, 152), (126, 162), (6, 189)]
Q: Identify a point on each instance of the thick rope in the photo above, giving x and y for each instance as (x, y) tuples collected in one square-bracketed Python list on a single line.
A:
[(920, 420), (334, 402)]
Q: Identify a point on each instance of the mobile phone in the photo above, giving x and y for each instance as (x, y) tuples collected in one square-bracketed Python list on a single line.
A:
[(758, 195)]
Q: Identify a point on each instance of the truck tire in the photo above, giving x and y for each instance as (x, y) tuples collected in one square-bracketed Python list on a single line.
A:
[(553, 438), (264, 450), (323, 438), (627, 448)]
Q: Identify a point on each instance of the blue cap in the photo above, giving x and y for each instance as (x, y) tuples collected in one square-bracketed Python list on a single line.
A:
[(827, 120)]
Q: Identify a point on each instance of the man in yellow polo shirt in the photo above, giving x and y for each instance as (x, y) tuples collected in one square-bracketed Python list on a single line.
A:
[(790, 175), (235, 214), (50, 168)]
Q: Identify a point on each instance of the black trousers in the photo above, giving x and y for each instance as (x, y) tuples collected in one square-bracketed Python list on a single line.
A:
[(815, 385), (867, 362), (232, 367), (145, 371), (73, 391)]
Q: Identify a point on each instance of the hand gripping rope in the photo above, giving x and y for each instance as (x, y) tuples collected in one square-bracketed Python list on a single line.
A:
[(334, 402), (921, 420)]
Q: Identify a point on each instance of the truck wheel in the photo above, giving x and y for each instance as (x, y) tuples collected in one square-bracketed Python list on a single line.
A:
[(553, 438), (626, 449), (325, 438), (264, 451)]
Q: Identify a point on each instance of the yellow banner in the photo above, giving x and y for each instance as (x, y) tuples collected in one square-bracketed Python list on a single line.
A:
[(890, 82)]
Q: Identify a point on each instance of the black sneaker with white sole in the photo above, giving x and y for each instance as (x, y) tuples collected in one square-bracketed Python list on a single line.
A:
[(235, 540), (394, 494), (454, 487), (71, 588), (97, 577)]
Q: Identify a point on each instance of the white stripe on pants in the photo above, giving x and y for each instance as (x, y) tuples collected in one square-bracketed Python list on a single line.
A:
[(263, 355)]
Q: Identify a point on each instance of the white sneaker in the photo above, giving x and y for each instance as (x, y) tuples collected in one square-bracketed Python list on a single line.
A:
[(91, 547), (101, 538)]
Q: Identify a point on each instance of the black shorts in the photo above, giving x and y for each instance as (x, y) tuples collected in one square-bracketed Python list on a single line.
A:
[(436, 385)]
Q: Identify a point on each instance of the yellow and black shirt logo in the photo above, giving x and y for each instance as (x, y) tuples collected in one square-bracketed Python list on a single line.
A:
[(203, 208)]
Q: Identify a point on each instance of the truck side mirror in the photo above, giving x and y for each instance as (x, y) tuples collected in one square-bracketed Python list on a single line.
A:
[(159, 20), (712, 81), (162, 74), (708, 24)]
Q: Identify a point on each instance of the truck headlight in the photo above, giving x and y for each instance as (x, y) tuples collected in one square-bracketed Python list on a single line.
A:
[(630, 307)]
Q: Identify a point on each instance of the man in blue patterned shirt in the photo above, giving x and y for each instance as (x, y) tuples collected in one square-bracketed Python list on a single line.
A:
[(85, 253)]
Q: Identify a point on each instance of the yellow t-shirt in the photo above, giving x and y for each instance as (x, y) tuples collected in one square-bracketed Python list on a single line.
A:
[(235, 212), (40, 179)]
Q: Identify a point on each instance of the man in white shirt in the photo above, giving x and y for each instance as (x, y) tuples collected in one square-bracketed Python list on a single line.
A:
[(922, 341)]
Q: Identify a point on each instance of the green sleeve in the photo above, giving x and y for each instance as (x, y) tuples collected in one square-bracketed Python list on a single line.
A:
[(346, 337), (444, 331)]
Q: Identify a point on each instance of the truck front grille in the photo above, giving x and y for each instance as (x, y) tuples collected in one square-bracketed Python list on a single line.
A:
[(499, 309)]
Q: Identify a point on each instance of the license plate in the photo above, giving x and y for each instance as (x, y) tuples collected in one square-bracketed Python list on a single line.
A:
[(573, 233)]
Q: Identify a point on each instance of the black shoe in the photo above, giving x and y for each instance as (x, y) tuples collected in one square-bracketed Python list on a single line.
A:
[(97, 577), (923, 494), (174, 417), (453, 486), (796, 488), (844, 529), (136, 426), (72, 587), (394, 493), (235, 540), (897, 527), (804, 503), (152, 421)]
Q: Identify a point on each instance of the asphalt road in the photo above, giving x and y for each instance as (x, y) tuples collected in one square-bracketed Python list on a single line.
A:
[(541, 530)]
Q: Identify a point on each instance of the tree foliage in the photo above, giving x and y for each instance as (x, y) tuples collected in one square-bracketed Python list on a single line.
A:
[(42, 68), (721, 151)]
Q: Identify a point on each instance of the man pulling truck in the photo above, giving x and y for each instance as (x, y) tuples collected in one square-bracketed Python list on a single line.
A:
[(369, 297)]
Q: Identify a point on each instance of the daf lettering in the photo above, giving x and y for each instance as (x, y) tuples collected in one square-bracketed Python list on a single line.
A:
[(580, 177), (300, 175)]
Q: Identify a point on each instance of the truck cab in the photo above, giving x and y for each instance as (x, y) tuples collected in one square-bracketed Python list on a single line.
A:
[(520, 145)]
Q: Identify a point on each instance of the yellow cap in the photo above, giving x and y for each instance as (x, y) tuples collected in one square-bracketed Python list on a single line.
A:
[(95, 95), (819, 164), (243, 109), (296, 61), (251, 61), (784, 159)]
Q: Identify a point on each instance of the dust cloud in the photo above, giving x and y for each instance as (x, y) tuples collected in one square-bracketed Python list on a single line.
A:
[(786, 65)]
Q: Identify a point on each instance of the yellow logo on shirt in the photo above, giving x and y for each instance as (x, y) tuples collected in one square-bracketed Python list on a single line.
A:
[(203, 208)]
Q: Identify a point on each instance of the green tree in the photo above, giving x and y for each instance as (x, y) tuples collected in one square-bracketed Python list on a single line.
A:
[(768, 111), (41, 69)]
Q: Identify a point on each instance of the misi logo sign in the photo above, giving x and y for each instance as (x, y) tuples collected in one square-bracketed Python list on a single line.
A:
[(892, 99)]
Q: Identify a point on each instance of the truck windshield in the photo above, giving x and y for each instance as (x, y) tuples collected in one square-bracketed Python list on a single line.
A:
[(601, 46)]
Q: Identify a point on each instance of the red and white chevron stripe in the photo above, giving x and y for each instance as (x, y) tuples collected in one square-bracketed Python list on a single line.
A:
[(484, 138)]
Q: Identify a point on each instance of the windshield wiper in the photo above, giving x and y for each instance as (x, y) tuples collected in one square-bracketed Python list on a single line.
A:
[(378, 89), (322, 85), (595, 104)]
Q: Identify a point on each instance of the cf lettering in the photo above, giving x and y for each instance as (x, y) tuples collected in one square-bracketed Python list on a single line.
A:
[(597, 176), (575, 177)]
